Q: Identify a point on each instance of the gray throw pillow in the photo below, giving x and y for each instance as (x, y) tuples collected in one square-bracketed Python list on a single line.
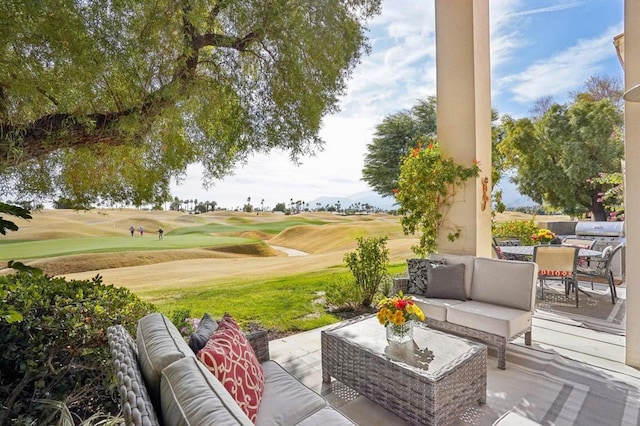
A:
[(446, 282), (418, 269), (203, 333)]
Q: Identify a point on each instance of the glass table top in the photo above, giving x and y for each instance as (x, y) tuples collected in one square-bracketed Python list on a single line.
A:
[(431, 351)]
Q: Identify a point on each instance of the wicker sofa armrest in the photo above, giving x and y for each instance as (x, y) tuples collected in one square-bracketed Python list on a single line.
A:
[(400, 284), (260, 344)]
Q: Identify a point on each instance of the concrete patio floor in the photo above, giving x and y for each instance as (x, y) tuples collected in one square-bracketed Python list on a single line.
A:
[(300, 354)]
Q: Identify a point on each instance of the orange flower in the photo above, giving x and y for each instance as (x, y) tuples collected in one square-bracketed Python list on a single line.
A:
[(430, 146)]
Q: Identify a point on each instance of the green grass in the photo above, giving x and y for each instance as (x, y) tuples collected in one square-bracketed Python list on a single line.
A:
[(244, 224), (290, 303), (68, 246)]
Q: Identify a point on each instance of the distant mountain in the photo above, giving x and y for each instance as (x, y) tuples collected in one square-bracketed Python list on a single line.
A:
[(510, 197)]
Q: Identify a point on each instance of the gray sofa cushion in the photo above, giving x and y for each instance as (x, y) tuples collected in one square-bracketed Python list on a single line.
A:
[(508, 283), (191, 395), (446, 282), (159, 344), (285, 400), (203, 333), (454, 259), (137, 408)]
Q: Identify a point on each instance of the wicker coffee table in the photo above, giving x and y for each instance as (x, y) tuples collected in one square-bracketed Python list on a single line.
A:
[(430, 381)]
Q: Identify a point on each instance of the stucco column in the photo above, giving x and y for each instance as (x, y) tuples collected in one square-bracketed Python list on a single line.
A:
[(632, 182), (464, 117)]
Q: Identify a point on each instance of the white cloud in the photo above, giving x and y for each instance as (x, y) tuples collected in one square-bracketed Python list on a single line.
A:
[(562, 72)]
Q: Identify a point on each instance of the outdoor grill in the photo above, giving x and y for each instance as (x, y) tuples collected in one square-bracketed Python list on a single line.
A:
[(605, 234)]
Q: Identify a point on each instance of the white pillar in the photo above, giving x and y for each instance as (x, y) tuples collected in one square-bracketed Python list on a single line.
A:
[(464, 116), (632, 189)]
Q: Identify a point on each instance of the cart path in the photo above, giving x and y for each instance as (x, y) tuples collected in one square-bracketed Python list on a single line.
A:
[(289, 251)]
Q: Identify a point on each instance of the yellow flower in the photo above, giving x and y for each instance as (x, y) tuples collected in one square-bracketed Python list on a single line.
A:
[(398, 310), (398, 318), (383, 315)]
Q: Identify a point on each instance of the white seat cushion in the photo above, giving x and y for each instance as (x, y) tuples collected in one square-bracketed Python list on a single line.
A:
[(490, 318), (507, 283), (434, 308)]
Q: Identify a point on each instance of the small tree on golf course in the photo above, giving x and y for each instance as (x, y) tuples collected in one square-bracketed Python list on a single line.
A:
[(368, 264)]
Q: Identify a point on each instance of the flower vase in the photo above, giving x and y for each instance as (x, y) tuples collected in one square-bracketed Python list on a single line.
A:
[(400, 333)]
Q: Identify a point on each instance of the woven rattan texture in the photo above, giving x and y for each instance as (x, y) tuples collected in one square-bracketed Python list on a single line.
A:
[(415, 396), (137, 408), (260, 344)]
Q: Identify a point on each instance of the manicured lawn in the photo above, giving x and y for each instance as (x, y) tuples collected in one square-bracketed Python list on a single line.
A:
[(243, 224), (292, 303), (68, 246)]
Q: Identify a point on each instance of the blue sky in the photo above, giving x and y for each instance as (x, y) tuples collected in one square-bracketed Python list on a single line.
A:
[(538, 48)]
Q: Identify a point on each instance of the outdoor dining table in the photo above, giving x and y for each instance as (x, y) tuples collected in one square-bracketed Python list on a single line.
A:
[(526, 252)]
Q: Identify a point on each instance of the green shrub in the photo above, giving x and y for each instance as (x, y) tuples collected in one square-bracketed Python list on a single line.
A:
[(59, 350), (368, 264), (343, 294), (523, 229)]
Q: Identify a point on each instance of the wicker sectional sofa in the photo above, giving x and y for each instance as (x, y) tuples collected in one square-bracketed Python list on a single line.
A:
[(162, 382), (495, 302)]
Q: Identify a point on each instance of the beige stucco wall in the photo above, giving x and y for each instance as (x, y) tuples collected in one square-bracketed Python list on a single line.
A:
[(464, 116), (632, 181)]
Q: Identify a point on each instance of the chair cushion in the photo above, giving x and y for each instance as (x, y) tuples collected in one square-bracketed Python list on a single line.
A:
[(138, 410), (203, 333), (508, 283), (159, 344), (446, 282), (454, 259), (494, 319), (231, 359), (192, 396), (281, 389), (434, 308)]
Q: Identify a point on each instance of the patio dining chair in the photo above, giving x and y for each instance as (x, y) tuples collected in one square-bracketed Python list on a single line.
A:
[(557, 263), (506, 241), (600, 267), (578, 242)]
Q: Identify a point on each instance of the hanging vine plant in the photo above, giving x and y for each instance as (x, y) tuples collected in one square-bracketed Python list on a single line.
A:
[(427, 185)]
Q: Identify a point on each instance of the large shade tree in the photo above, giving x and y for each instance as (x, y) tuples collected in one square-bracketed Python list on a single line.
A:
[(399, 133), (394, 138), (558, 152), (111, 99)]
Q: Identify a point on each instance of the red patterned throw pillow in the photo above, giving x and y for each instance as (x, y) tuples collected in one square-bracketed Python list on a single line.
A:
[(230, 357)]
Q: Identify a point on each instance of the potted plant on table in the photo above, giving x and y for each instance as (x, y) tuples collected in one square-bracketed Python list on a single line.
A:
[(397, 314)]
